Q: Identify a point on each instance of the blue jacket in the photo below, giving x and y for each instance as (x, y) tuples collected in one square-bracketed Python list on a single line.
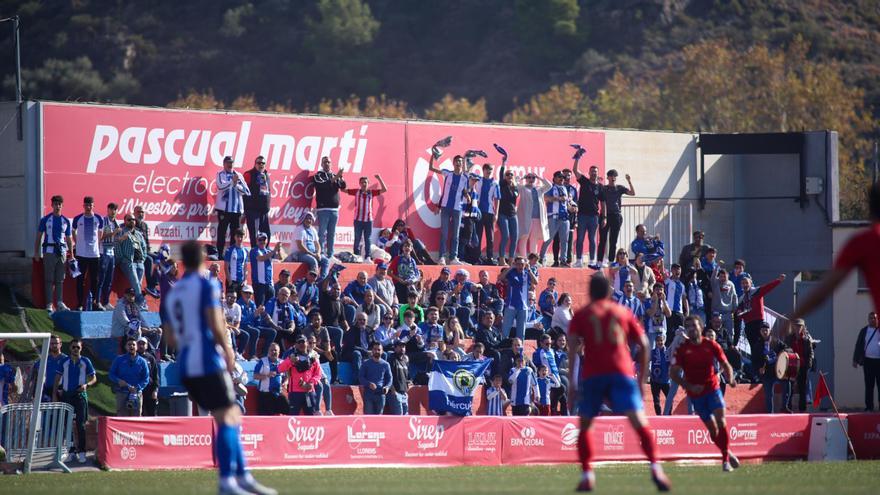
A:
[(659, 366), (135, 372), (375, 372)]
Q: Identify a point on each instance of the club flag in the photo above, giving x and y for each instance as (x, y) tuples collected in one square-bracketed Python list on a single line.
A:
[(821, 391), (452, 383)]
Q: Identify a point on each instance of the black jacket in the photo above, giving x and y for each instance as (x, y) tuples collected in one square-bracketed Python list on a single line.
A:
[(256, 202), (861, 344), (327, 193), (489, 337), (399, 372)]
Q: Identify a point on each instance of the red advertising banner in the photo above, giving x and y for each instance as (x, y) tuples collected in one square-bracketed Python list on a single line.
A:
[(167, 160), (164, 443), (864, 431), (156, 443)]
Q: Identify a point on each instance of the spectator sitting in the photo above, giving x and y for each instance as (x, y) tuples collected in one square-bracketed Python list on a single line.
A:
[(305, 247), (432, 331), (408, 327), (404, 271), (284, 281), (441, 302), (270, 401), (128, 322), (462, 296), (371, 309), (533, 266), (561, 315), (261, 269), (401, 233), (452, 337), (488, 298), (534, 322), (383, 287), (630, 300), (643, 279), (250, 325), (650, 247), (560, 351), (413, 306), (353, 294), (442, 284), (621, 271), (282, 316), (130, 375), (214, 273), (547, 301), (307, 290), (450, 355), (232, 314), (385, 333), (375, 379), (490, 338), (305, 374), (356, 343)]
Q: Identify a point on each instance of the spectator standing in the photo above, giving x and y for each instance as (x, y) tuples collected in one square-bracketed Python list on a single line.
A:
[(545, 356), (517, 279), (130, 375), (87, 230), (768, 349), (108, 257), (676, 298), (694, 251), (867, 355), (558, 200), (644, 278), (532, 214), (548, 301), (74, 377), (144, 228), (489, 193), (256, 204), (7, 378), (236, 258), (455, 183), (751, 311), (304, 376), (802, 344), (589, 211), (327, 186), (52, 244), (545, 384), (131, 253), (630, 300), (398, 398), (695, 298), (151, 391), (363, 213), (250, 325), (375, 380), (229, 205), (508, 219), (306, 248), (496, 398), (621, 271), (658, 315), (523, 387), (270, 401), (261, 269), (649, 246), (612, 195), (53, 364), (572, 219), (724, 300), (659, 372)]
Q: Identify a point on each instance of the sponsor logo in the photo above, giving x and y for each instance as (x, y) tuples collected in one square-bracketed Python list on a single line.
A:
[(786, 434), (362, 441), (481, 441), (188, 440), (569, 436), (464, 381), (873, 435), (737, 434), (664, 437), (304, 438), (613, 438), (699, 437), (251, 440), (198, 147), (426, 436), (527, 438), (128, 453), (128, 438)]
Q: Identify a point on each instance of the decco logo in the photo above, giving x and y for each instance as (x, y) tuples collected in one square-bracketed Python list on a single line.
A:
[(188, 440)]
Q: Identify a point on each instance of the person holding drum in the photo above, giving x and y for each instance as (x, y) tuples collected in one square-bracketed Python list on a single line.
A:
[(801, 344)]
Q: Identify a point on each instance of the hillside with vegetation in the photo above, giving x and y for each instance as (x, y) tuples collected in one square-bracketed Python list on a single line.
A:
[(712, 65)]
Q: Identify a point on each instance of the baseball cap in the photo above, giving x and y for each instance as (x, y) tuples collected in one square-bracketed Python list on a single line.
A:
[(764, 324), (462, 271), (301, 338), (445, 269), (144, 340), (798, 321), (247, 288), (284, 272), (382, 266), (399, 342), (307, 215)]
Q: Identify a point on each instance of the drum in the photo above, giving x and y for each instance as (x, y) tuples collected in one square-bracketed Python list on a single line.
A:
[(787, 365)]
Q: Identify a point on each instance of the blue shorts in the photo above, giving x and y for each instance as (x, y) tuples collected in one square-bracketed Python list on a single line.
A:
[(620, 390), (704, 406)]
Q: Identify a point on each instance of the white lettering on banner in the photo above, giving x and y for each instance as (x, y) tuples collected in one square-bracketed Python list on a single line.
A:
[(664, 437), (304, 437), (527, 438), (359, 439), (251, 440), (742, 434), (873, 435), (427, 436), (186, 440), (128, 438), (613, 438), (128, 453), (699, 437), (140, 145), (481, 441)]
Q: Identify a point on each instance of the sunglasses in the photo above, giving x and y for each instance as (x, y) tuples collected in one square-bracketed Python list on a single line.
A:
[(261, 163), (75, 347)]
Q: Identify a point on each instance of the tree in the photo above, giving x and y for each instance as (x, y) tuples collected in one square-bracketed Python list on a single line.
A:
[(198, 101), (373, 106), (457, 109), (75, 79), (560, 105)]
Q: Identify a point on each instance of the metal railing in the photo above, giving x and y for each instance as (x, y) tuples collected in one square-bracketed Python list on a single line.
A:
[(54, 433), (673, 222)]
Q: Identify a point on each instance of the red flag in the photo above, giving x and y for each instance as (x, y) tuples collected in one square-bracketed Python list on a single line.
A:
[(821, 391)]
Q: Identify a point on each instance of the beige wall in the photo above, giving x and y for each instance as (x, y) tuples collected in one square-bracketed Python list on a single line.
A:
[(851, 308)]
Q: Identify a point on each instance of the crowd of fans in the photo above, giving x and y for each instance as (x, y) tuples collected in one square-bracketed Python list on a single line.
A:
[(391, 322)]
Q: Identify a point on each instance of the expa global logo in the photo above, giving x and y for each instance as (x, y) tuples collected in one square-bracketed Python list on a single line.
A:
[(528, 437)]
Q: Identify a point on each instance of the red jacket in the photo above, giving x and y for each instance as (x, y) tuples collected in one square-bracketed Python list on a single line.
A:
[(754, 305), (311, 375)]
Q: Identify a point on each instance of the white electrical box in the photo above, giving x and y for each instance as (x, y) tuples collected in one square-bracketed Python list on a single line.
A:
[(815, 185), (827, 440)]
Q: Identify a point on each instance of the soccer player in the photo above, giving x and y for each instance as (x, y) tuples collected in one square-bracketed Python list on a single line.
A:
[(196, 328), (696, 358), (605, 331), (859, 252)]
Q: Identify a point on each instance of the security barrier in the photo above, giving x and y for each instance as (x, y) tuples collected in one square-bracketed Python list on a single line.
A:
[(54, 434)]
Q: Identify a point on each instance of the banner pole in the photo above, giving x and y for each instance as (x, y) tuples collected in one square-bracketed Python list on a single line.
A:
[(849, 443)]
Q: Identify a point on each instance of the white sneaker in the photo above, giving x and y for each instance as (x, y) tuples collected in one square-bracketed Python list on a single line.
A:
[(50, 308), (108, 307), (734, 461), (63, 307), (231, 488), (442, 260), (578, 264), (604, 264), (455, 261), (249, 484), (81, 457), (726, 467)]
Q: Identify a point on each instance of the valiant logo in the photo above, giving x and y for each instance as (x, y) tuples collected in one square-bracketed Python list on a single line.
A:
[(527, 438), (570, 436)]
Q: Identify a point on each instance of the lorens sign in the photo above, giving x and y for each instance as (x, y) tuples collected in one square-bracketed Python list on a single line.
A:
[(194, 147)]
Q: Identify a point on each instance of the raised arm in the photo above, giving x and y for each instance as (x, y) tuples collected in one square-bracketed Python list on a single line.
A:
[(382, 187), (431, 166), (632, 190)]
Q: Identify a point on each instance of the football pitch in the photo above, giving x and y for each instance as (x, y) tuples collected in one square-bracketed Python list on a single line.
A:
[(769, 478)]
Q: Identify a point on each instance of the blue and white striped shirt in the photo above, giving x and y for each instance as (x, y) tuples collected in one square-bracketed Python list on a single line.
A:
[(189, 301), (261, 271), (496, 402), (88, 235), (236, 257), (229, 197), (544, 386), (489, 191), (522, 380), (558, 209), (56, 230), (674, 294), (273, 384), (632, 303), (74, 374), (454, 186)]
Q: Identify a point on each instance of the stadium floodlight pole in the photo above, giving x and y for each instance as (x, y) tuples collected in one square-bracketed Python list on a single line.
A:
[(16, 42), (38, 392)]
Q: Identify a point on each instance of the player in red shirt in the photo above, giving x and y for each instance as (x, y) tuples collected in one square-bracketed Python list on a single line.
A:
[(861, 252), (605, 331), (696, 358)]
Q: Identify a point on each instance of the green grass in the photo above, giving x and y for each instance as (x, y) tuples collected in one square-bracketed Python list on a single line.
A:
[(799, 478), (101, 397)]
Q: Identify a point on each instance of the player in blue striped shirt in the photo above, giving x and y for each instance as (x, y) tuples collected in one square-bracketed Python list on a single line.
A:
[(236, 258), (75, 375), (523, 387), (497, 398), (196, 327)]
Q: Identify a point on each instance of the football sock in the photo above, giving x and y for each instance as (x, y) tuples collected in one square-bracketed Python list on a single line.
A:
[(227, 436), (722, 440), (647, 443), (240, 464), (585, 450)]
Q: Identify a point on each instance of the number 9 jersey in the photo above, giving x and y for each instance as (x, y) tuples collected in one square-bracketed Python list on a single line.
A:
[(607, 330)]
